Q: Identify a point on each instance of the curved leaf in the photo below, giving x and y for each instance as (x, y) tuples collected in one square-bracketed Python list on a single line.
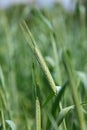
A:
[(63, 113), (11, 124)]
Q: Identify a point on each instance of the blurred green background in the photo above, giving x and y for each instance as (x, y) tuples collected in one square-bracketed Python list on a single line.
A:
[(17, 92)]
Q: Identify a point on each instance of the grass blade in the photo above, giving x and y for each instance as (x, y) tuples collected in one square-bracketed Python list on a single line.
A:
[(65, 111), (3, 119), (58, 98), (63, 114), (2, 78), (11, 124), (70, 74)]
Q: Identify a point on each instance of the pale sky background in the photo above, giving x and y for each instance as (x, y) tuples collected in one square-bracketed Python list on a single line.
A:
[(69, 5)]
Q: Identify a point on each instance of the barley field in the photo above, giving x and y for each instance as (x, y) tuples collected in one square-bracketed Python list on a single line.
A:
[(43, 68)]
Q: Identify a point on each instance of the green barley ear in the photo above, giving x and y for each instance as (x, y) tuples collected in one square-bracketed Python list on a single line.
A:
[(39, 56), (38, 115)]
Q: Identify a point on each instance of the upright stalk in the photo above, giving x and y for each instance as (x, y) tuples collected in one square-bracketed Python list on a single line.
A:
[(3, 119), (71, 77), (58, 73)]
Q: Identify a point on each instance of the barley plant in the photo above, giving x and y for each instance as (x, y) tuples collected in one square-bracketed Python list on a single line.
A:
[(43, 69)]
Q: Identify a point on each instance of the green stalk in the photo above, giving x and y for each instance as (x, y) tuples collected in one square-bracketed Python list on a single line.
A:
[(58, 73), (57, 68), (70, 74), (3, 119)]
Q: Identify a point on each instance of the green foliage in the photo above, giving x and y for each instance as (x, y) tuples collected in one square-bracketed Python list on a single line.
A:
[(37, 56)]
